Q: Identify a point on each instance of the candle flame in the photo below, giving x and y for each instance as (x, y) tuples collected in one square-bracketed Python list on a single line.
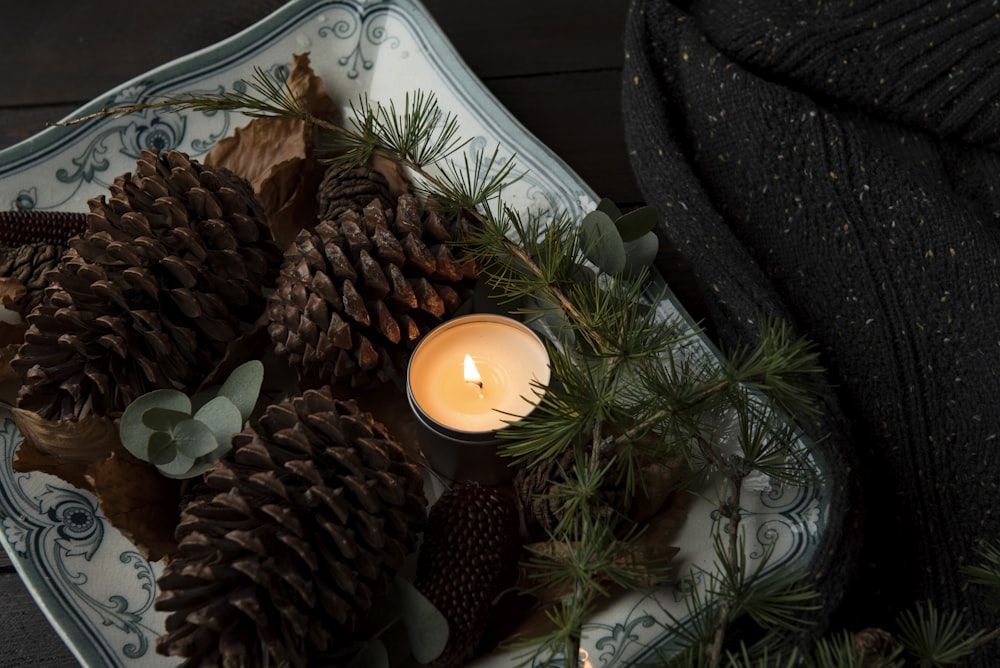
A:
[(471, 372)]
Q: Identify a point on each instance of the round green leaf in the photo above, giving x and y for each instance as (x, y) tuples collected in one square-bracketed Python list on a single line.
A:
[(487, 299), (223, 418), (608, 206), (636, 223), (243, 387), (426, 627), (641, 252), (602, 244), (195, 468), (179, 467), (194, 439), (161, 448), (163, 419), (373, 655), (133, 433)]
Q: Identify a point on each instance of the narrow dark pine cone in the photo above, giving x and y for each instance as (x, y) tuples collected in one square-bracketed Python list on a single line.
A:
[(169, 271), (291, 538), (30, 226), (468, 557), (356, 293)]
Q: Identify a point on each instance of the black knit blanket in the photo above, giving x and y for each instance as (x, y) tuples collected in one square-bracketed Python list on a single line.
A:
[(835, 163)]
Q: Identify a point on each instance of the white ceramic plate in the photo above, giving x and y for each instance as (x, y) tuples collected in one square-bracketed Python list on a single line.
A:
[(93, 585)]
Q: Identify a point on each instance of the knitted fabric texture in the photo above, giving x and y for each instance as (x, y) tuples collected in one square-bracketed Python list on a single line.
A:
[(835, 164)]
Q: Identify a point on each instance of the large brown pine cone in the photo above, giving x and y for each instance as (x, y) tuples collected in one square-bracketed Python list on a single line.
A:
[(170, 270), (356, 293), (294, 535)]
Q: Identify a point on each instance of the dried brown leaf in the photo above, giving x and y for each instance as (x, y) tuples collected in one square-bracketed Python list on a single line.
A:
[(12, 291), (10, 380), (85, 441), (27, 458), (278, 156), (138, 501)]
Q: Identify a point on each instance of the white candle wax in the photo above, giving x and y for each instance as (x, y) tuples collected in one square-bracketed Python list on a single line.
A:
[(509, 358)]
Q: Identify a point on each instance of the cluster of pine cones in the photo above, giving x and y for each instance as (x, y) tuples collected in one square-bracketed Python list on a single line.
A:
[(285, 543)]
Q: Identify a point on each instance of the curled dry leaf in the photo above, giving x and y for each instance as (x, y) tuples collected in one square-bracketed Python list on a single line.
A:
[(12, 291), (278, 156), (12, 325), (138, 501), (53, 445)]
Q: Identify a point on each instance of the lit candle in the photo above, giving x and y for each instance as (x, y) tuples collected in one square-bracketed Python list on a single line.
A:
[(467, 379)]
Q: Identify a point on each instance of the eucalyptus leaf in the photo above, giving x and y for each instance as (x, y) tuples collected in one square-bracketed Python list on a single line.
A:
[(488, 299), (161, 448), (373, 655), (133, 433), (636, 223), (608, 206), (194, 469), (602, 244), (194, 439), (224, 419), (426, 627), (641, 252), (243, 387), (178, 467), (163, 419)]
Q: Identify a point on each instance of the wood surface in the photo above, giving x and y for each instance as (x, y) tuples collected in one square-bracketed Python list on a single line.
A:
[(555, 64)]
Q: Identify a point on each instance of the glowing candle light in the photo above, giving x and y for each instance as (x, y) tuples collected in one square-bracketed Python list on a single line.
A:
[(467, 379), (472, 373)]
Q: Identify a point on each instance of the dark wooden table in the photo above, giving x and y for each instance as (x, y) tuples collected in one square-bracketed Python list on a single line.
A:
[(556, 65)]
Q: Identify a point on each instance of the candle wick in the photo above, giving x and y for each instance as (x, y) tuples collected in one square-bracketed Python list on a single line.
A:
[(479, 386)]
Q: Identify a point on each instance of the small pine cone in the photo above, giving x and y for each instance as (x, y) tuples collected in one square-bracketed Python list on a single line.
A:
[(873, 644), (28, 263), (468, 557), (346, 188), (31, 243), (170, 270), (535, 486), (290, 537), (356, 293)]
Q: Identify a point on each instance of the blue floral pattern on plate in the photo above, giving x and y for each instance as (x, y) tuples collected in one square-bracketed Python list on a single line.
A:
[(96, 589)]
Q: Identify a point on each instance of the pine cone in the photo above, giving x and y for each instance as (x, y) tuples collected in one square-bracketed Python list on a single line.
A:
[(168, 273), (469, 556), (355, 294), (346, 188), (30, 226), (28, 264), (536, 484), (31, 243), (296, 532)]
